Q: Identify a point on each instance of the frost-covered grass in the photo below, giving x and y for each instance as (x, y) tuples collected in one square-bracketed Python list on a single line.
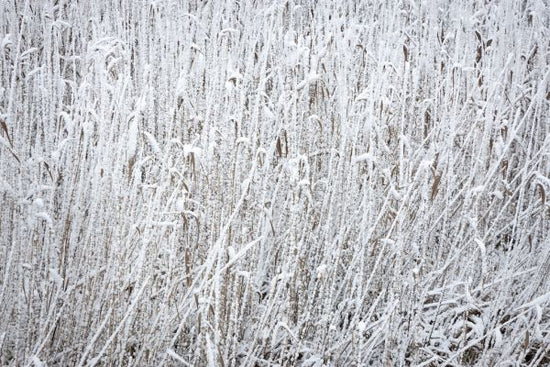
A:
[(288, 183)]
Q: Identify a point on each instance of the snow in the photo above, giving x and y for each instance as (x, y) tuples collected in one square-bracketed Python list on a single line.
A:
[(537, 302), (290, 183), (132, 136), (153, 143)]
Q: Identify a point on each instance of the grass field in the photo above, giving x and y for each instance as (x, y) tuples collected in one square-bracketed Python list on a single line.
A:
[(286, 183)]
